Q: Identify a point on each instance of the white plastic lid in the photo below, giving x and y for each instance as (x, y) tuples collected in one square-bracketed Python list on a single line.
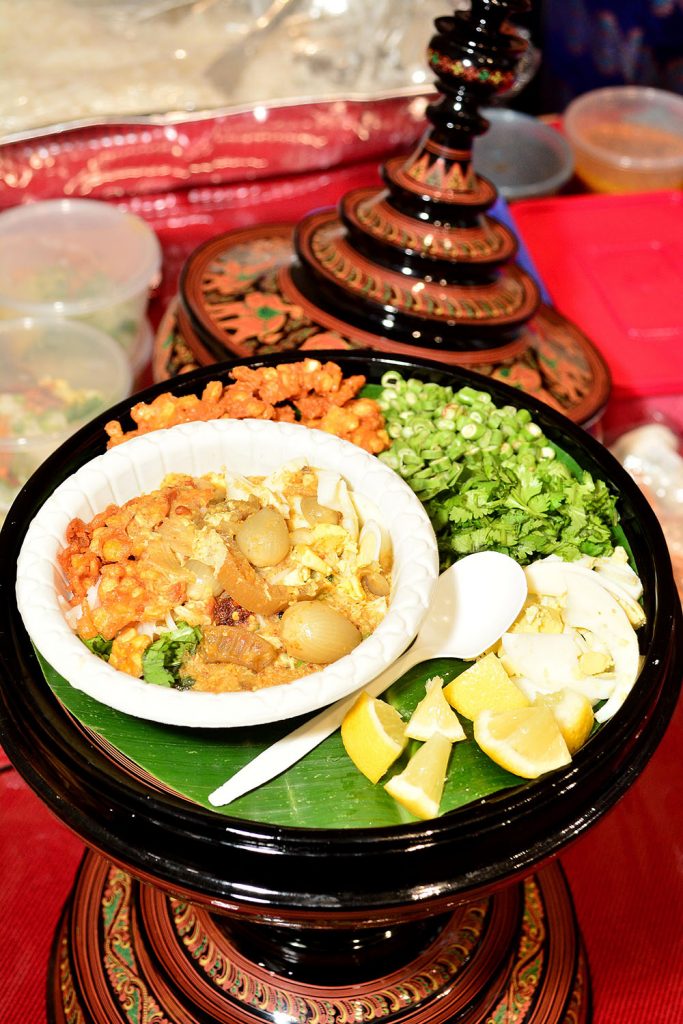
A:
[(56, 375), (71, 257)]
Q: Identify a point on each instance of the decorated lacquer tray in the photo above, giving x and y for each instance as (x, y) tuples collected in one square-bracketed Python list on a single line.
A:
[(320, 895), (171, 759), (555, 362)]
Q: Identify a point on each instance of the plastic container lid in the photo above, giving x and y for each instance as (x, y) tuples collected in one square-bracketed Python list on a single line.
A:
[(71, 257), (629, 127), (521, 155), (56, 376)]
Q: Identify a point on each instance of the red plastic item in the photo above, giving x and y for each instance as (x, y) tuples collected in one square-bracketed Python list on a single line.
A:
[(111, 162), (614, 265)]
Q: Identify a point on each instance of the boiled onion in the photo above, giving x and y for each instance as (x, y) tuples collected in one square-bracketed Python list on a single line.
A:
[(315, 631), (315, 513), (263, 537)]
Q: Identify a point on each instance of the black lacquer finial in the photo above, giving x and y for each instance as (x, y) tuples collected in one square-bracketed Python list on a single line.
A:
[(474, 56), (422, 261)]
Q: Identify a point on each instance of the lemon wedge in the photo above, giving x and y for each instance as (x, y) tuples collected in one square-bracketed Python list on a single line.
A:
[(485, 685), (525, 741), (419, 786), (373, 734), (434, 714), (573, 712)]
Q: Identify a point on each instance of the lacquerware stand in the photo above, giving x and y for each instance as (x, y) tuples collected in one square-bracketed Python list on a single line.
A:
[(157, 929), (188, 913)]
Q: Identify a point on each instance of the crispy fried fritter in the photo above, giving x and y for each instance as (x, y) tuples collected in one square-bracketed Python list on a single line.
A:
[(317, 392), (111, 549)]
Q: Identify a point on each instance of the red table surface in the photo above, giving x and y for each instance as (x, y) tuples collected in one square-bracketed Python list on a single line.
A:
[(614, 265), (626, 873)]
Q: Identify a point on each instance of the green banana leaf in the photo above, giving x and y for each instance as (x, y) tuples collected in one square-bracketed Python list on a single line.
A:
[(194, 762)]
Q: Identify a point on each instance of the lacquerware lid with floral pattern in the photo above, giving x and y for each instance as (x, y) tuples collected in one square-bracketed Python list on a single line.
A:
[(420, 267)]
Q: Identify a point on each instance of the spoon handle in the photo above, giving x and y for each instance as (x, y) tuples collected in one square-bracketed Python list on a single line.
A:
[(292, 747)]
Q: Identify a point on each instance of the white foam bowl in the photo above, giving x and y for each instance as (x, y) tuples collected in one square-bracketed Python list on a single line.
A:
[(249, 447)]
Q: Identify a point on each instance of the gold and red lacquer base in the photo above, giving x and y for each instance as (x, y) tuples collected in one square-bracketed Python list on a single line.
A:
[(128, 952)]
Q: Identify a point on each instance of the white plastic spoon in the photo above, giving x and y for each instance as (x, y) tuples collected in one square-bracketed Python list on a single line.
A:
[(474, 603)]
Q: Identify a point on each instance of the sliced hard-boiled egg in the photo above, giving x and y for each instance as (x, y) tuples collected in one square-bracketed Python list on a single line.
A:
[(305, 556), (548, 661), (365, 507), (333, 493), (617, 576), (374, 545), (630, 605), (209, 547), (595, 619), (270, 490), (594, 688), (589, 606), (617, 568), (547, 576), (327, 539), (238, 487), (538, 618), (349, 583), (543, 663), (280, 479)]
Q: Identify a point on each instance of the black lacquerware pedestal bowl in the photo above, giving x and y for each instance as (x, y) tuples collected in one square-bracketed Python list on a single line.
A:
[(182, 914)]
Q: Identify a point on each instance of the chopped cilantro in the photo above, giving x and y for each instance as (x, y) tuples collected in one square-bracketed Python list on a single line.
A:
[(163, 659), (99, 646)]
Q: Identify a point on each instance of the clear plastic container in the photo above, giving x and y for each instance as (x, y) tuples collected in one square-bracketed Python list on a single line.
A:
[(78, 259), (141, 360), (521, 155), (56, 375), (627, 138)]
